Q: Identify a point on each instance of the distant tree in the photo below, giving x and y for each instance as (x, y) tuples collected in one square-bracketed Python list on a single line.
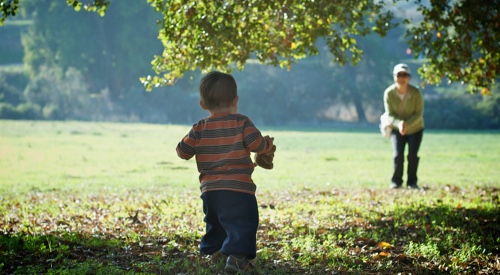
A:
[(363, 84), (112, 52), (457, 38)]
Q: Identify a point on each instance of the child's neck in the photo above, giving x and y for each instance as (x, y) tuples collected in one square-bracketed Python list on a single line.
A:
[(221, 110)]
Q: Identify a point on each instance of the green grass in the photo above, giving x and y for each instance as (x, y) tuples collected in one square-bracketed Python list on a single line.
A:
[(89, 157), (111, 198)]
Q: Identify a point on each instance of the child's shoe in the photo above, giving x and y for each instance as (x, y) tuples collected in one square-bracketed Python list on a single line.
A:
[(239, 266), (218, 257)]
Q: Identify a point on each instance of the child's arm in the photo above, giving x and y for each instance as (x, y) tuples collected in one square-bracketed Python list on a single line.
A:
[(185, 148), (263, 146), (253, 139)]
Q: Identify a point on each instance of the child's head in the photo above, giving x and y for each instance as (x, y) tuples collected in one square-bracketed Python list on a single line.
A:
[(217, 91)]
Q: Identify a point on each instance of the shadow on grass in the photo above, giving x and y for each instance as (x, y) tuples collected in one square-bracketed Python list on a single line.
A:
[(437, 238), (481, 225), (74, 253), (78, 254)]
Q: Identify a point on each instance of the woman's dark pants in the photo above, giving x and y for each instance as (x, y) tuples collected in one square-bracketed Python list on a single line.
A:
[(398, 144)]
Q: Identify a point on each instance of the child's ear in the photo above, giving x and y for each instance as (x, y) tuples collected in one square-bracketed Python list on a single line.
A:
[(235, 101), (202, 105)]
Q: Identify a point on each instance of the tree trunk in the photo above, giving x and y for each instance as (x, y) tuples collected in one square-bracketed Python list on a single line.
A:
[(360, 111), (354, 88), (107, 78)]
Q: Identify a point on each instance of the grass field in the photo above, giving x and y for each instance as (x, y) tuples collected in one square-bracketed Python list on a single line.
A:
[(96, 198)]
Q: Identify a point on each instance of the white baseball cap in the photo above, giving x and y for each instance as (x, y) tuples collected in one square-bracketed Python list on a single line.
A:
[(401, 68)]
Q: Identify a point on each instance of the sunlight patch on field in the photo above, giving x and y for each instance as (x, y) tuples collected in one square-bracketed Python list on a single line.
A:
[(88, 157)]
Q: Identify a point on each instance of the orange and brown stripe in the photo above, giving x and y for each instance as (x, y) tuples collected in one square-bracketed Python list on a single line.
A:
[(222, 144)]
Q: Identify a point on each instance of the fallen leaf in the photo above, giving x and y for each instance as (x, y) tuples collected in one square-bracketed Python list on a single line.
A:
[(384, 245), (384, 254)]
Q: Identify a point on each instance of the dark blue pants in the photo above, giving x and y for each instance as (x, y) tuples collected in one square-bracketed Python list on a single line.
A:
[(231, 220), (398, 145)]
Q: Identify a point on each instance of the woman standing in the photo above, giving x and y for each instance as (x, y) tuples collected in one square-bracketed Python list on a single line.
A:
[(404, 108)]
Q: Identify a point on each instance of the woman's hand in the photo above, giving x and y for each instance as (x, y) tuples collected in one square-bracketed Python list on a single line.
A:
[(403, 128)]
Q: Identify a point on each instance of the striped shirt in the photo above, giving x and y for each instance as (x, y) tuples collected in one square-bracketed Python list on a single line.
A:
[(222, 144)]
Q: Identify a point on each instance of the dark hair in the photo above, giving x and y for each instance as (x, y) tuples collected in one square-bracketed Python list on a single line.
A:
[(217, 90)]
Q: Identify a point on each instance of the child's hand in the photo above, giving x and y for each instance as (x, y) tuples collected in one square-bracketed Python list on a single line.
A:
[(265, 160), (270, 142)]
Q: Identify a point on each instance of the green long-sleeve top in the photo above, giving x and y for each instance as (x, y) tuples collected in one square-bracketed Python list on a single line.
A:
[(412, 113)]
